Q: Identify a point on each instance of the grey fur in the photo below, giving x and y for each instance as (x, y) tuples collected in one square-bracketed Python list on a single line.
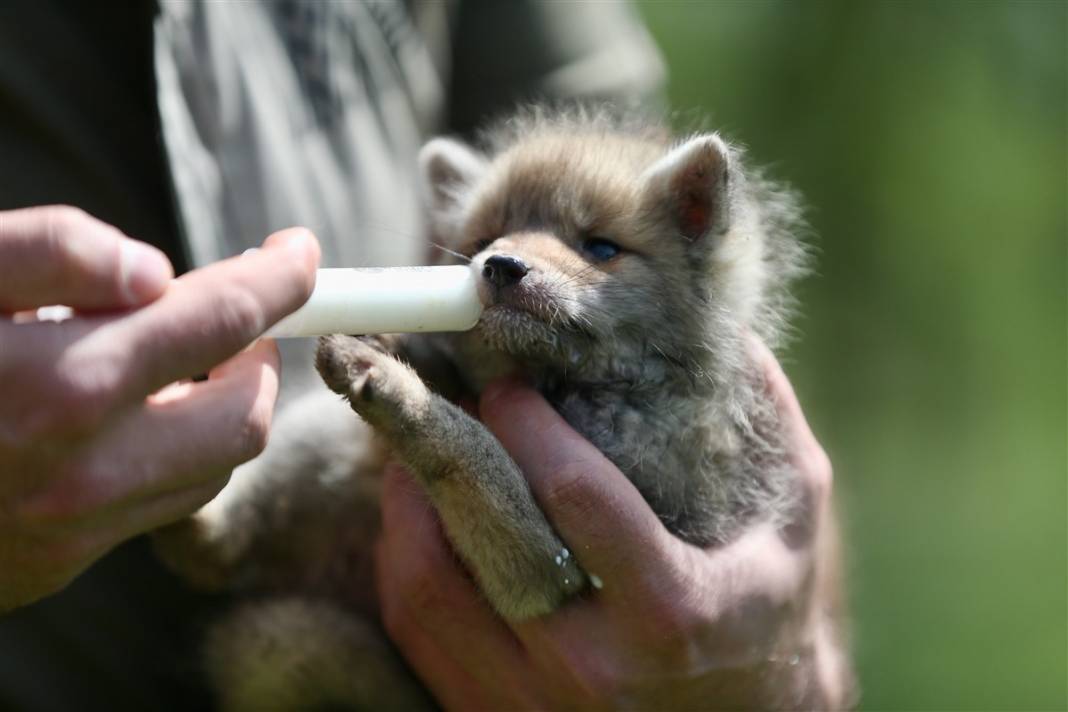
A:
[(644, 354)]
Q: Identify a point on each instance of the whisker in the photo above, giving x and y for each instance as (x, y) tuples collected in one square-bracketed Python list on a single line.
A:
[(454, 253), (369, 224)]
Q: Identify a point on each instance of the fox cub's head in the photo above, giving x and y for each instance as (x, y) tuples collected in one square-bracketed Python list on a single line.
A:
[(608, 253)]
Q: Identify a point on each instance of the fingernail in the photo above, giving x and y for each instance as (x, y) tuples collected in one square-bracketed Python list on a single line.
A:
[(298, 244), (250, 251), (297, 241), (144, 272), (301, 245)]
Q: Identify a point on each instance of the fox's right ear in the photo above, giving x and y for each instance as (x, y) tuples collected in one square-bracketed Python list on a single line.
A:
[(448, 169), (691, 186)]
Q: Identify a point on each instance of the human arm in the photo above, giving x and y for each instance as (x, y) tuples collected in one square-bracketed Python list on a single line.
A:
[(752, 624), (99, 437)]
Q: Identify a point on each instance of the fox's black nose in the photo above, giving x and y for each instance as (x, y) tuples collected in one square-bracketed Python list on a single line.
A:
[(503, 270)]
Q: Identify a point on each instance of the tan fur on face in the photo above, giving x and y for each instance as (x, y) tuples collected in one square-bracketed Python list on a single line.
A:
[(577, 184)]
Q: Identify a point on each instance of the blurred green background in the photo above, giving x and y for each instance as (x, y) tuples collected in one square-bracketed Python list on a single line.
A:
[(929, 141)]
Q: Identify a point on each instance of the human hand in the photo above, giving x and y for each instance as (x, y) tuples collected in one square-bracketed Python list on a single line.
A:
[(92, 451), (750, 624)]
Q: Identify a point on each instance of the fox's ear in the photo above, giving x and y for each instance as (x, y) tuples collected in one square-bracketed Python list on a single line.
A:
[(448, 167), (692, 184)]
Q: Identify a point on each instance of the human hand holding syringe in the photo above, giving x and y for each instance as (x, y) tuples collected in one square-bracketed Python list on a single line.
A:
[(102, 435)]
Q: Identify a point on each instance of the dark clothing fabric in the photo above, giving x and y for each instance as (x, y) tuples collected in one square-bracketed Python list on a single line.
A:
[(78, 118), (123, 636)]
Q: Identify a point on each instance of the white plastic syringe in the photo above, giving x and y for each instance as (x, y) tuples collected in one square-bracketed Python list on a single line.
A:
[(385, 301)]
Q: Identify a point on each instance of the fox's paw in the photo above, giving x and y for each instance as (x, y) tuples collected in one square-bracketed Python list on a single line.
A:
[(347, 363), (373, 380)]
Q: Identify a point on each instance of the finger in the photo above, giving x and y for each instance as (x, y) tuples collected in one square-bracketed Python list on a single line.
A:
[(732, 601), (84, 545), (61, 255), (210, 314), (804, 451), (450, 684), (161, 510), (423, 590), (217, 425), (782, 393), (749, 587), (264, 349), (594, 507), (187, 438), (79, 372)]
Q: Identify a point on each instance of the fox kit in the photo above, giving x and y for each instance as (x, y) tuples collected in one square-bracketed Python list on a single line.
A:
[(622, 273)]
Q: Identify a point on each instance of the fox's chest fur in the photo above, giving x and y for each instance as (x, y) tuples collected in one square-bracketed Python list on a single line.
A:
[(696, 439)]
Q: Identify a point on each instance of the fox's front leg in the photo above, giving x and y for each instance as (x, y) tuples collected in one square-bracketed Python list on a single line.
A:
[(483, 499)]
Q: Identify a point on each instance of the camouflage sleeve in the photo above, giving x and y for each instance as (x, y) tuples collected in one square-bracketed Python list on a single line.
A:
[(522, 50)]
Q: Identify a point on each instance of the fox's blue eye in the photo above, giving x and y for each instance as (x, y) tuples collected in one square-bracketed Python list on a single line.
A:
[(600, 249)]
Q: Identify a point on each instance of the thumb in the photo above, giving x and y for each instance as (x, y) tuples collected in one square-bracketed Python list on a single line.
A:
[(61, 255), (601, 516)]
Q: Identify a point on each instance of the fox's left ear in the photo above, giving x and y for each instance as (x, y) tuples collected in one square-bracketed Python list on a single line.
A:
[(449, 168), (692, 184)]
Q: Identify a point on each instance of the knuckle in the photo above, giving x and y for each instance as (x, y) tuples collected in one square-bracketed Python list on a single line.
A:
[(62, 225), (253, 432), (82, 247), (65, 219), (86, 395), (238, 316), (97, 385), (569, 494), (671, 625)]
